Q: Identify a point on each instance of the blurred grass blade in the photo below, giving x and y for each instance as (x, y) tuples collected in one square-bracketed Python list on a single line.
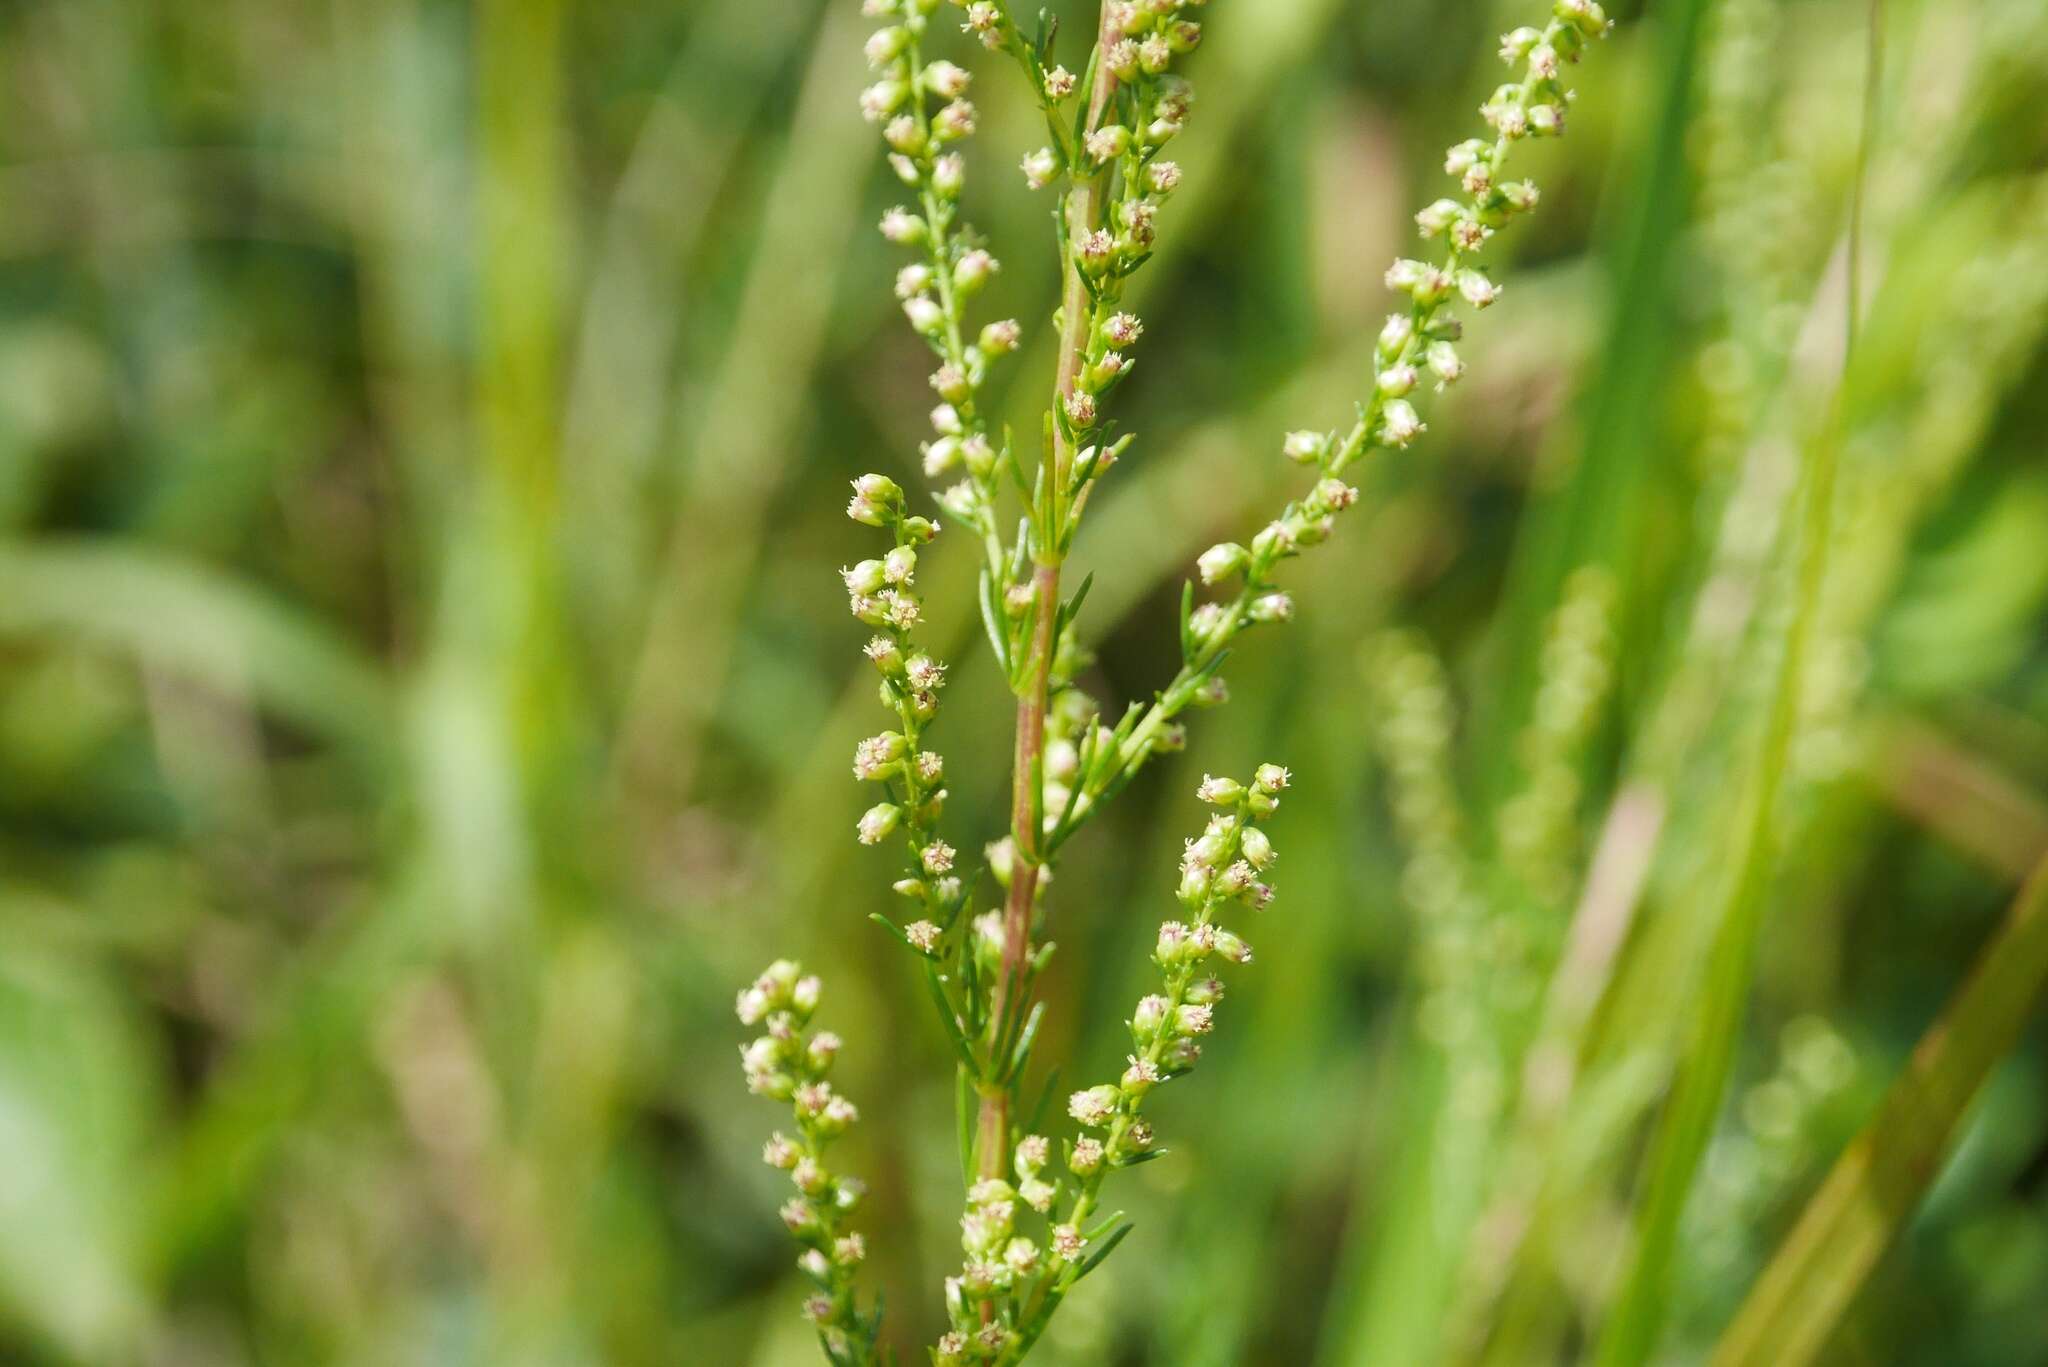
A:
[(1636, 1320), (202, 624), (1637, 1316), (1879, 1180), (1599, 517)]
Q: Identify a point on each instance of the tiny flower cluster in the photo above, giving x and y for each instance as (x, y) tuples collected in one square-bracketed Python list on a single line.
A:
[(1224, 866), (1417, 343), (786, 1064), (1150, 106), (883, 593), (1029, 1231), (1422, 340), (1010, 1281), (924, 112)]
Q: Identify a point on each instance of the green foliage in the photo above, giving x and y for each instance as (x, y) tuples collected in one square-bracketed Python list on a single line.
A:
[(423, 697)]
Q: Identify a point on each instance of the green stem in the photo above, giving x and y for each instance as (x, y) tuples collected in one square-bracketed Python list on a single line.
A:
[(1084, 208)]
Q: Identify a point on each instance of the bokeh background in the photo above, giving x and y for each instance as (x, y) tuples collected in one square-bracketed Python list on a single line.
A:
[(425, 694)]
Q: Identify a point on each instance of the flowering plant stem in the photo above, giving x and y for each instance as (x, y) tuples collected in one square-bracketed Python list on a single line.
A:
[(1066, 762), (1084, 214)]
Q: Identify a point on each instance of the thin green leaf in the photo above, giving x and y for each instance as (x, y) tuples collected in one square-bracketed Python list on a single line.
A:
[(890, 926), (992, 620), (948, 1019), (1107, 1247), (966, 1110), (1020, 1054), (1879, 1179), (1045, 1096)]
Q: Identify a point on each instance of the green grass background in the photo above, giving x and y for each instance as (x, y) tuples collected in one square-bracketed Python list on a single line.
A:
[(425, 694)]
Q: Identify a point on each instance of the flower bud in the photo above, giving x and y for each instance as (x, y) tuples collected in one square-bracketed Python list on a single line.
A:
[(1122, 329), (940, 456), (949, 175), (953, 122), (878, 489), (1101, 371), (877, 822), (1037, 1193), (1395, 335), (804, 993), (1465, 156), (1001, 338), (1221, 561), (839, 1113), (1397, 380), (1040, 167), (1097, 251), (1586, 15), (1094, 1107), (780, 1152), (1516, 45), (882, 98), (946, 80), (1272, 607), (1305, 448), (1438, 217), (1108, 142), (1477, 289), (1258, 850), (1033, 1152), (1399, 423), (1209, 848), (913, 280), (1444, 363), (800, 1218), (974, 270), (1172, 944), (903, 228), (903, 134)]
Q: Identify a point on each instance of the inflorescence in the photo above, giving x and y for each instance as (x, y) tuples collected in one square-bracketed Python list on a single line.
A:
[(1108, 129)]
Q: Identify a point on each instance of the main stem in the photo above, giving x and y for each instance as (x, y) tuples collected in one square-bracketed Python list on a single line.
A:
[(1084, 214)]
